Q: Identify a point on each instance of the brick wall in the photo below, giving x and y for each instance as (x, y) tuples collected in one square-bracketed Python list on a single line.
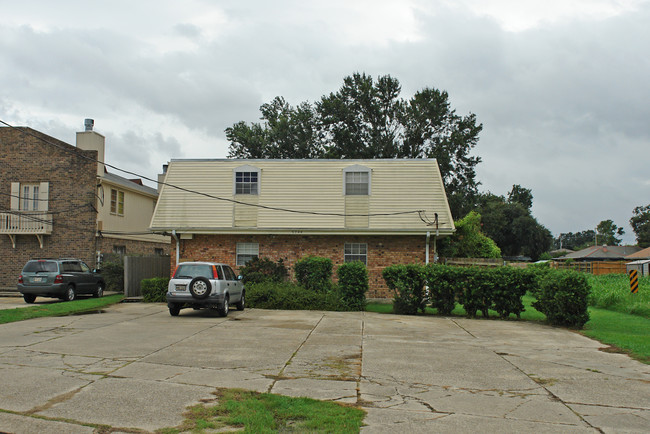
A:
[(382, 251), (72, 180)]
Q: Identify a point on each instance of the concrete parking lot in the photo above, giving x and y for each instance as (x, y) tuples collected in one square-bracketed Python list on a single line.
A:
[(133, 366)]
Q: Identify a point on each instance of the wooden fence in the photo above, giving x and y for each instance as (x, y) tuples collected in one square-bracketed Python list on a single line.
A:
[(596, 268), (473, 262), (137, 268)]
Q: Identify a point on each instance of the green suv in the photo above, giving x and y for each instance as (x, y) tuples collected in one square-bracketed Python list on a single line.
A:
[(59, 278)]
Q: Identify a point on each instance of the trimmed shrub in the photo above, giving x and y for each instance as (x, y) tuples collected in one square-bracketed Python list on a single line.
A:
[(154, 290), (263, 270), (562, 297), (113, 272), (353, 284), (511, 284), (314, 273), (477, 291), (442, 281), (407, 284), (289, 296)]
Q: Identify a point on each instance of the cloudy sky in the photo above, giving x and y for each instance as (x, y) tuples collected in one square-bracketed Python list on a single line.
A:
[(561, 87)]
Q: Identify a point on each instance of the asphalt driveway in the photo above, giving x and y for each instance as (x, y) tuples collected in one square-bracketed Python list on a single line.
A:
[(136, 367)]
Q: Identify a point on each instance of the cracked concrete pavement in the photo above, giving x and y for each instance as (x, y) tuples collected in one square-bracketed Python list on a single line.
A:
[(135, 367)]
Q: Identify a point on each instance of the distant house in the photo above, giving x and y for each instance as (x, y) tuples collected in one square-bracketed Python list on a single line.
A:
[(641, 254), (602, 253), (56, 200), (379, 212)]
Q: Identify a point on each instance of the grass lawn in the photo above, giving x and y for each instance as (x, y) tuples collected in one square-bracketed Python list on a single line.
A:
[(57, 309), (269, 413), (612, 292), (629, 334)]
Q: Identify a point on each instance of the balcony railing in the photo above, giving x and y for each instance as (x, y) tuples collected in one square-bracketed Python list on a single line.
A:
[(25, 223)]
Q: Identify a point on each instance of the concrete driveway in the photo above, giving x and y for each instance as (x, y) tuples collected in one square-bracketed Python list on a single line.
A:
[(136, 367)]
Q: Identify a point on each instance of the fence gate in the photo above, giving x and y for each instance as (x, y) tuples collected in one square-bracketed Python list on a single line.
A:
[(137, 268)]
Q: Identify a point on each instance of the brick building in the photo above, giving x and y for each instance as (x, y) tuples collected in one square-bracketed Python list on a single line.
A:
[(380, 212), (56, 200)]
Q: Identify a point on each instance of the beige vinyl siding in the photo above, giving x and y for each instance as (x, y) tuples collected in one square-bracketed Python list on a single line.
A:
[(355, 208), (245, 215), (313, 186)]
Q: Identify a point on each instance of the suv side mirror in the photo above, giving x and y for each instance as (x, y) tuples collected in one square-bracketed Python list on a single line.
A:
[(239, 277)]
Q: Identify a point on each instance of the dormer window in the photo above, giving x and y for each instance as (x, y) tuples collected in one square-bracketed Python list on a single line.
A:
[(247, 180), (356, 181)]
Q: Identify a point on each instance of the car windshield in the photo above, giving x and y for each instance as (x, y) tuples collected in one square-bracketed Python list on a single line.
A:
[(40, 266), (189, 271)]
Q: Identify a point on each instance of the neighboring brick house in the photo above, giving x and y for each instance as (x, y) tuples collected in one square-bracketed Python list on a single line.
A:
[(56, 200), (381, 212)]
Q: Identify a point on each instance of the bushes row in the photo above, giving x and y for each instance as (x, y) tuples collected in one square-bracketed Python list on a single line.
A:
[(266, 285), (154, 290), (561, 296)]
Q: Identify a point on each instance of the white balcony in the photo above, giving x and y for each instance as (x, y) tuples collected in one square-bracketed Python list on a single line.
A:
[(25, 223)]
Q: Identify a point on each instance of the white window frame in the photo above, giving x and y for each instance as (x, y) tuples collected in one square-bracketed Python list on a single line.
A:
[(355, 252), (357, 171), (246, 252), (30, 196), (250, 170)]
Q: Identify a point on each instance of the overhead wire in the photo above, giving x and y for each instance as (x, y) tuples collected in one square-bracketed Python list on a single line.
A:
[(187, 190)]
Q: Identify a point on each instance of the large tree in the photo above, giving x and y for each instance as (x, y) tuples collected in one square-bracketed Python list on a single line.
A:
[(510, 224), (575, 241), (607, 232), (367, 118), (640, 223)]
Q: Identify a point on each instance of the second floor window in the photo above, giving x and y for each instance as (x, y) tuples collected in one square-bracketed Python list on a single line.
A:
[(246, 183), (29, 197), (117, 202), (356, 183)]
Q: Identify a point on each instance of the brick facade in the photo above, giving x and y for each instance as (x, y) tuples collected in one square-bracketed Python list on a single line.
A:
[(72, 177), (383, 250)]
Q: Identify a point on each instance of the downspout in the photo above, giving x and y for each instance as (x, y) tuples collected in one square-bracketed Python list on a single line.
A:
[(178, 247)]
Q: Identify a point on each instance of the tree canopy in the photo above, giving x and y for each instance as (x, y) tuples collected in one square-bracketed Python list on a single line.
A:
[(640, 223), (607, 232), (511, 225), (365, 119), (469, 241)]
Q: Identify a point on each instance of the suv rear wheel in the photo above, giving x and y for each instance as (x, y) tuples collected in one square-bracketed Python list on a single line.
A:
[(29, 298), (69, 293), (224, 308), (174, 309)]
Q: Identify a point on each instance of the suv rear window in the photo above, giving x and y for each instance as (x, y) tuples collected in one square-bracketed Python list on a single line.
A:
[(40, 266), (189, 271)]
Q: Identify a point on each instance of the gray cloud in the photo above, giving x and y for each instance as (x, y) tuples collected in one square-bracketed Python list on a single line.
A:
[(564, 105)]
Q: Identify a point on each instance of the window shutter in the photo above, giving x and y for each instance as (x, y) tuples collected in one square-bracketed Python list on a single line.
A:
[(43, 193), (15, 195)]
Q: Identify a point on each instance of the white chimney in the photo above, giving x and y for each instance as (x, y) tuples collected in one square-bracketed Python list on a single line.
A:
[(90, 140)]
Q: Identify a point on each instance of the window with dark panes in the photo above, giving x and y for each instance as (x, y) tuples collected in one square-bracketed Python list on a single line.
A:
[(246, 182), (356, 252)]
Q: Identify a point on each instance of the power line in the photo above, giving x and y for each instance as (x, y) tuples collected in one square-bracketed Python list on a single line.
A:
[(187, 190)]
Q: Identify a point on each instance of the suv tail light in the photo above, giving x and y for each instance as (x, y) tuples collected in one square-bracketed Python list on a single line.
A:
[(58, 279), (215, 274), (20, 279), (174, 275)]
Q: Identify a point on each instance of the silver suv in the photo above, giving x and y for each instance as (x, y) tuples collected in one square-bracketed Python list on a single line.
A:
[(204, 285), (59, 278)]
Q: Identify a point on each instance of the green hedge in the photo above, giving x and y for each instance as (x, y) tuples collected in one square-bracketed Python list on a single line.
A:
[(289, 296), (154, 290), (561, 296), (314, 273), (353, 284), (263, 270), (407, 283)]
